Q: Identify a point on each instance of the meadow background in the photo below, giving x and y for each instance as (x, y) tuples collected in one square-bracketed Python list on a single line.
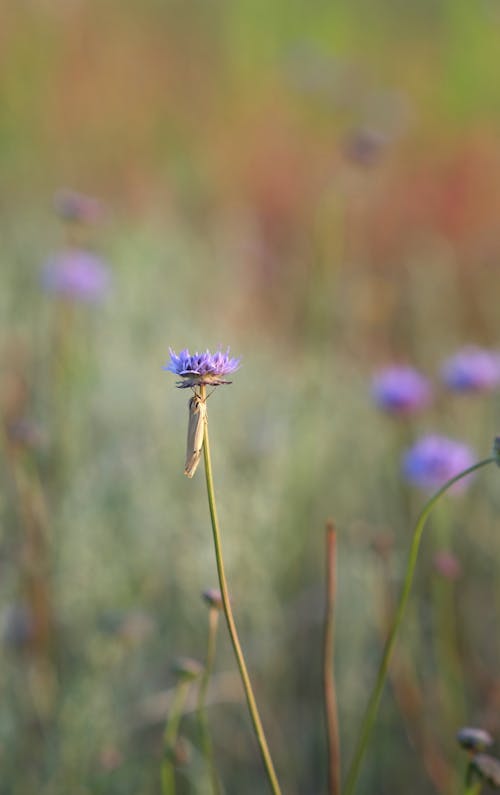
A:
[(316, 185)]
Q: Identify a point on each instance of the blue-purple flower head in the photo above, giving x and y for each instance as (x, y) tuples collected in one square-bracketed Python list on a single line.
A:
[(401, 390), (78, 275), (202, 369), (435, 459), (472, 369)]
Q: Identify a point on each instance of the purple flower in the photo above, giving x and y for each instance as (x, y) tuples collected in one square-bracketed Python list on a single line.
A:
[(401, 390), (76, 274), (72, 206), (472, 369), (435, 459), (365, 146), (200, 369)]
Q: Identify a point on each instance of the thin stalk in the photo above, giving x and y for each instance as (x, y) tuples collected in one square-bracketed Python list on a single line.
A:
[(474, 788), (409, 699), (213, 620), (170, 737), (373, 703), (331, 717), (228, 612)]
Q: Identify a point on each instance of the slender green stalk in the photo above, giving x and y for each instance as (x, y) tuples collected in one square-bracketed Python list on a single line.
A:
[(373, 703), (170, 737), (228, 612), (474, 788), (331, 717), (213, 620)]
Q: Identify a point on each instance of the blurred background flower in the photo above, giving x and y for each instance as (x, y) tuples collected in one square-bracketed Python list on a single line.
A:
[(401, 390), (447, 565), (76, 207), (472, 369), (434, 459), (78, 275)]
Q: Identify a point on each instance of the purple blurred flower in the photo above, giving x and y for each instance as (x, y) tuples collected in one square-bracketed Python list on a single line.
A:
[(76, 274), (365, 146), (199, 369), (472, 369), (401, 390), (435, 459), (72, 206)]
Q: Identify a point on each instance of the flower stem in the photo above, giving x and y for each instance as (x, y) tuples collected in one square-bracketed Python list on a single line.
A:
[(228, 612), (332, 728), (170, 738), (373, 703), (474, 788), (213, 620)]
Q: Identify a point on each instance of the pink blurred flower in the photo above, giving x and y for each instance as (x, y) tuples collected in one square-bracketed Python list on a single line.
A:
[(447, 565)]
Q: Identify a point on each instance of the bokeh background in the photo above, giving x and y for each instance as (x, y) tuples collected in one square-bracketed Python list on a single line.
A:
[(316, 185)]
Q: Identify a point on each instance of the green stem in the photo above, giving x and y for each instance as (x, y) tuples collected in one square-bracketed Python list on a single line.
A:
[(474, 788), (170, 737), (228, 612), (373, 703), (213, 620)]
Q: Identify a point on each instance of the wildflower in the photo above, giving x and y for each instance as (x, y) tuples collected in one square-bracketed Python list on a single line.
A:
[(472, 369), (201, 369), (474, 739), (76, 274), (401, 390), (72, 206), (435, 459)]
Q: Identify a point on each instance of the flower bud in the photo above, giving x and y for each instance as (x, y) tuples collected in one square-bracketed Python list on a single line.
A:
[(474, 739), (186, 668), (213, 598)]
